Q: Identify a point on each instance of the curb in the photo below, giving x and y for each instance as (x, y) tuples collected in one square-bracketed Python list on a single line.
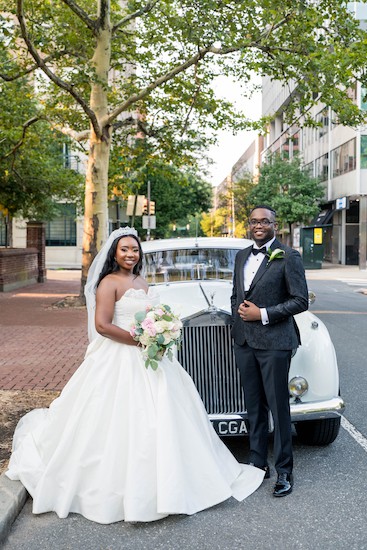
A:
[(12, 499)]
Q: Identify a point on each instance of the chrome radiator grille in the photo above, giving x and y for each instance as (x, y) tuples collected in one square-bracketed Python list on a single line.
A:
[(207, 355)]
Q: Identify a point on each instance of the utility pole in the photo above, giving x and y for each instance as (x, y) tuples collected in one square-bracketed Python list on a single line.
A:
[(148, 229), (233, 212), (232, 225)]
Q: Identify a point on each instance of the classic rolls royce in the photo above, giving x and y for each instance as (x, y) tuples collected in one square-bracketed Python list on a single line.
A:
[(194, 276)]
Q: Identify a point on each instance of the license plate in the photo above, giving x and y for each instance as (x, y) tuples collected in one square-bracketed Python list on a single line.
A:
[(230, 427)]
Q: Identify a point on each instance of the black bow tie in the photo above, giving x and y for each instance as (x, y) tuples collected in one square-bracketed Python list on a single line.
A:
[(257, 250)]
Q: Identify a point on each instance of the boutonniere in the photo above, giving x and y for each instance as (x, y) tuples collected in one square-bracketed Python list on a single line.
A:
[(276, 254)]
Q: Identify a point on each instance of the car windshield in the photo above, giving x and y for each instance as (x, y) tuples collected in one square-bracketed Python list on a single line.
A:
[(191, 264)]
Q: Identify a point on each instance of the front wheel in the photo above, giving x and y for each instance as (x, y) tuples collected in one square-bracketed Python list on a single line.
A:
[(318, 432)]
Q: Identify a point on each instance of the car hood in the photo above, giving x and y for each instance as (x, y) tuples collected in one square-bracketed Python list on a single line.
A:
[(187, 298)]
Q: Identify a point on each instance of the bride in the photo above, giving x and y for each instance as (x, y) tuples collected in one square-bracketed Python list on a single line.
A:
[(124, 442)]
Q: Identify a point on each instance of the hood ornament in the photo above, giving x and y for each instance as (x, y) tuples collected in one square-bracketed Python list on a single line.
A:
[(212, 307)]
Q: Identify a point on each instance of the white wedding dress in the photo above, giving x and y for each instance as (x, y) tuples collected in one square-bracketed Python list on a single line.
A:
[(123, 442)]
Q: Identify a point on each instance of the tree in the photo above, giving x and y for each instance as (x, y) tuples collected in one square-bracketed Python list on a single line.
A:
[(285, 186), (232, 201), (33, 176), (236, 200), (213, 223), (159, 59), (241, 191), (177, 194)]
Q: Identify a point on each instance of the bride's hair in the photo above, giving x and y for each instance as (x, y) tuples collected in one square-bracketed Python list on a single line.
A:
[(111, 266)]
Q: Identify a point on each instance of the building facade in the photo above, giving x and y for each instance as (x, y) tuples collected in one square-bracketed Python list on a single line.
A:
[(335, 154)]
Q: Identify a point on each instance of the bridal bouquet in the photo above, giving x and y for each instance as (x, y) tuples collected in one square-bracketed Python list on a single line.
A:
[(157, 329)]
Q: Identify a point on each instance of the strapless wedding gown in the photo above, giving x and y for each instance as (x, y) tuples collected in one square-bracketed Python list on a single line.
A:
[(123, 442)]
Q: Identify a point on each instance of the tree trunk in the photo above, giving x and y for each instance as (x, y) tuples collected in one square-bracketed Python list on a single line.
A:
[(95, 230), (96, 185), (290, 243)]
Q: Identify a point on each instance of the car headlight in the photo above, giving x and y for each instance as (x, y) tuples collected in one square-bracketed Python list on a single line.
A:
[(298, 386), (311, 297)]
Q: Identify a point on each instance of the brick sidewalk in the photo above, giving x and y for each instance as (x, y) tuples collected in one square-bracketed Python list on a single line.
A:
[(41, 346)]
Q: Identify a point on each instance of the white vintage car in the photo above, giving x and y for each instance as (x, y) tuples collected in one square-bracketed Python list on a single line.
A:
[(194, 276)]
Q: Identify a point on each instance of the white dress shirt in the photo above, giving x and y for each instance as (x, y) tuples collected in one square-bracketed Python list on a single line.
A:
[(249, 271)]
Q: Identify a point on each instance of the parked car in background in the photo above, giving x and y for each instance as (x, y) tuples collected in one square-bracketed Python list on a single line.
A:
[(194, 276)]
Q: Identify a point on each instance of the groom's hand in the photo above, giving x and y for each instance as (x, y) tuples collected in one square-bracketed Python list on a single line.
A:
[(249, 311)]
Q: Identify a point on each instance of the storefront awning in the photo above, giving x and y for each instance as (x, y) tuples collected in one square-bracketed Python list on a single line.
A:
[(322, 218)]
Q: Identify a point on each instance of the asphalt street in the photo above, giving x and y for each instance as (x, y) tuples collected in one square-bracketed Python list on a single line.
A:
[(343, 309)]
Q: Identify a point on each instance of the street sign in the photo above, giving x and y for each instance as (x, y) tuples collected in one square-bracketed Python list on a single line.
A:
[(317, 235), (138, 202), (148, 222), (342, 203)]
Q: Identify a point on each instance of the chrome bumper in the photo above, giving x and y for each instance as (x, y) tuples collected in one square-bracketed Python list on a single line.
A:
[(331, 408), (317, 410)]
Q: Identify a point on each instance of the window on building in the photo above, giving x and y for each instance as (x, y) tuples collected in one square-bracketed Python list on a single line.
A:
[(322, 167), (71, 161), (363, 151), (352, 92), (285, 146), (352, 213), (61, 231), (322, 119), (344, 158), (309, 169), (295, 142), (2, 230), (364, 99)]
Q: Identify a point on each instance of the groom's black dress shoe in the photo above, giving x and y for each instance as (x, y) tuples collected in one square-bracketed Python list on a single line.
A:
[(283, 485), (265, 468)]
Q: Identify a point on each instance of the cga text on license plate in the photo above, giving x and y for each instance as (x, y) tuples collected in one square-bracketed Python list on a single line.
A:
[(230, 427)]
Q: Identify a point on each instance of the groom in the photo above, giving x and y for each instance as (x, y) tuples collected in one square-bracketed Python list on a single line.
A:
[(269, 288)]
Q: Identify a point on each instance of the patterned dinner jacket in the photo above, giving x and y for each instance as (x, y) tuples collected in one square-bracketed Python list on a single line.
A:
[(280, 287)]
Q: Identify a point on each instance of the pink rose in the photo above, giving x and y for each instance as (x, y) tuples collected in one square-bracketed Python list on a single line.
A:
[(148, 326), (151, 330)]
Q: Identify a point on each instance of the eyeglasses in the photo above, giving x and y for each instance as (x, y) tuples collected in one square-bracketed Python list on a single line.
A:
[(264, 223)]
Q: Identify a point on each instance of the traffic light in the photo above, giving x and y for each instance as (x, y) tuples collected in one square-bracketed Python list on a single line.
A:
[(151, 208), (145, 207)]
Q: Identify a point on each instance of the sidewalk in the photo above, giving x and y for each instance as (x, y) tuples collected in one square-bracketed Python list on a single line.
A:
[(336, 272), (41, 346)]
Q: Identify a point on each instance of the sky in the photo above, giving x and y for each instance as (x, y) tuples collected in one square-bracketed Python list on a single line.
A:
[(230, 147)]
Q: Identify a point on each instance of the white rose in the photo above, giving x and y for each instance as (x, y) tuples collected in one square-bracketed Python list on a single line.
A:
[(144, 339), (162, 326), (177, 325), (167, 337)]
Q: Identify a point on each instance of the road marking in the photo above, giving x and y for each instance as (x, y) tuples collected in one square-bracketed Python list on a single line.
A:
[(357, 436), (334, 312), (354, 281)]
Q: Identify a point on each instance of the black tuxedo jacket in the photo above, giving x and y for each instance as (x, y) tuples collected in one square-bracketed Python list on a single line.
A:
[(280, 287)]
